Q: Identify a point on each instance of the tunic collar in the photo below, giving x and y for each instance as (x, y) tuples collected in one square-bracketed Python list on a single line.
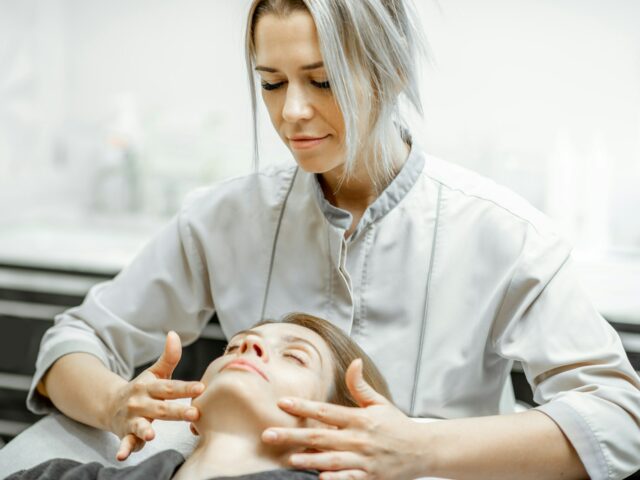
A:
[(386, 201)]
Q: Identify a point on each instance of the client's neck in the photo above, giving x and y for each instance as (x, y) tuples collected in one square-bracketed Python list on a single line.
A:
[(232, 447), (228, 454)]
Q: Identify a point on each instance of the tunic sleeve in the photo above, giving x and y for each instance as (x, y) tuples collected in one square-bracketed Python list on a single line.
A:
[(124, 321), (573, 359)]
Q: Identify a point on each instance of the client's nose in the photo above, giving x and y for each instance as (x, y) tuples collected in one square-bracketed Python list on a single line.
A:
[(254, 345)]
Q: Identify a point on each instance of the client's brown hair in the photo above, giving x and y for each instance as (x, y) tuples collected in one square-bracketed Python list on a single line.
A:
[(344, 350)]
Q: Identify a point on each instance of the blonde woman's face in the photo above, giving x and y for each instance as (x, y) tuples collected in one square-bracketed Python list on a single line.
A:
[(296, 91)]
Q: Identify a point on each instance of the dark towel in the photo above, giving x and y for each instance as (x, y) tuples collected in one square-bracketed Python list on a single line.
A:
[(161, 466)]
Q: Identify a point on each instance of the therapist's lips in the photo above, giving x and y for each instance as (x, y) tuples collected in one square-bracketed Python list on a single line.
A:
[(243, 364), (304, 142)]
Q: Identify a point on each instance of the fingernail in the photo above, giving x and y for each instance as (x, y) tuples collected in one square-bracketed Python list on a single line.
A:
[(199, 388), (269, 435), (286, 402), (192, 414)]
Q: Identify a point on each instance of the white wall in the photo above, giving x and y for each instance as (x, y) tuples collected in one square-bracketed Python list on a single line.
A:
[(32, 98), (542, 95)]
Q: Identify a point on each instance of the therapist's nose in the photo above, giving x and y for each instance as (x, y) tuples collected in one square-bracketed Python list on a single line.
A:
[(254, 345), (297, 105)]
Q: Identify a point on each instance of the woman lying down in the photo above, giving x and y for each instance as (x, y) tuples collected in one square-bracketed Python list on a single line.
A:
[(301, 356)]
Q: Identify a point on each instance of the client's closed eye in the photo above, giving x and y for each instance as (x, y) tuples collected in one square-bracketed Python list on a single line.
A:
[(297, 358)]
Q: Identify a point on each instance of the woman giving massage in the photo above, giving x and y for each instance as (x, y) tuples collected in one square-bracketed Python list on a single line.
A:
[(444, 278), (302, 356)]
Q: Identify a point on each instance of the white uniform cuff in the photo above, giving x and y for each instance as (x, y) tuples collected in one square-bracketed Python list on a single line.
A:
[(581, 436)]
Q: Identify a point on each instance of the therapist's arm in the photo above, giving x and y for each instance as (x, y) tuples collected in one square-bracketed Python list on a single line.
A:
[(85, 401), (120, 325), (379, 441), (81, 387), (527, 445)]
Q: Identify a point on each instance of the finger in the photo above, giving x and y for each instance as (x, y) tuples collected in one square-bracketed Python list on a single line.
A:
[(314, 438), (127, 446), (164, 410), (164, 366), (139, 445), (344, 475), (174, 389), (323, 461), (327, 413), (141, 428), (362, 392)]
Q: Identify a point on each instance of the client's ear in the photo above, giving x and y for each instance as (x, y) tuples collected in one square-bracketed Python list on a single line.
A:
[(193, 429)]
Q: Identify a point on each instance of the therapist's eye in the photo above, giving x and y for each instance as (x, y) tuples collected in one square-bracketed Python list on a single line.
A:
[(271, 86), (323, 85)]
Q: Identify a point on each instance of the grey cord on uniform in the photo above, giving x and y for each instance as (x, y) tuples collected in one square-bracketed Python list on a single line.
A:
[(275, 242), (429, 274), (426, 305)]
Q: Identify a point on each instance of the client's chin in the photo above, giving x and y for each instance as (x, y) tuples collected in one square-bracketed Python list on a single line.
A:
[(239, 401)]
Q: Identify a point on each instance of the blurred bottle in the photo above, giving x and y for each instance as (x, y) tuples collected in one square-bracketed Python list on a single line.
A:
[(596, 201), (563, 178), (117, 182)]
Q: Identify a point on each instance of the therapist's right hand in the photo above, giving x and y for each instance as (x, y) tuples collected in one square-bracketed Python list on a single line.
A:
[(136, 404)]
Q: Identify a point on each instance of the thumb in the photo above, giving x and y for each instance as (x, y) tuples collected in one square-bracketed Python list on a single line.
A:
[(361, 391), (164, 366)]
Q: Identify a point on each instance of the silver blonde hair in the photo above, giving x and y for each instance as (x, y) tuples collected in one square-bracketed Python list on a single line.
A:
[(372, 44)]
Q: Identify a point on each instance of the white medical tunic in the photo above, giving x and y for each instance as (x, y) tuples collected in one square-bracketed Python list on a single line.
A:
[(445, 282)]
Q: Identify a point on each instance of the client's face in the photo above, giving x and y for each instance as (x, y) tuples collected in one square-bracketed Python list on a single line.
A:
[(262, 365)]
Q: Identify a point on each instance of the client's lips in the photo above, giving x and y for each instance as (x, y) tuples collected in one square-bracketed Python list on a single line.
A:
[(243, 364)]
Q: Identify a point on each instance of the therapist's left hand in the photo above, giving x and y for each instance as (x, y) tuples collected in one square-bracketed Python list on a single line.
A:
[(376, 441)]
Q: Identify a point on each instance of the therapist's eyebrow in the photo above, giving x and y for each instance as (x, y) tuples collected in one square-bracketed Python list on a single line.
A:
[(311, 66)]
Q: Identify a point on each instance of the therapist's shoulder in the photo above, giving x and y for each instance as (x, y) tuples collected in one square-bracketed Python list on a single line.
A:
[(492, 211), (244, 194)]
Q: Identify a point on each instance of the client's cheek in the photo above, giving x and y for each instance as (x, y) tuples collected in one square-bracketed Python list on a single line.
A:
[(201, 401), (307, 388), (210, 372)]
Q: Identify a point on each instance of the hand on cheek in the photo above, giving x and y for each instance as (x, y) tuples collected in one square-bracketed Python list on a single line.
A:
[(374, 441)]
